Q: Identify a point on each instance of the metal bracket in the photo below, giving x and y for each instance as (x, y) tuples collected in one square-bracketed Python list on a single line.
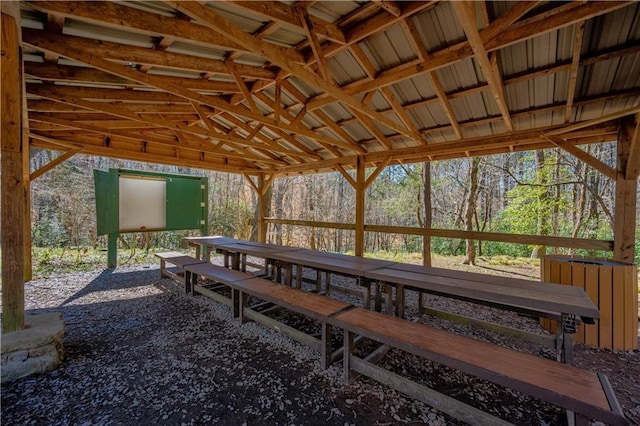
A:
[(570, 323)]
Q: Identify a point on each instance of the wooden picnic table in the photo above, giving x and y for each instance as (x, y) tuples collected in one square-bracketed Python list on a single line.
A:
[(329, 263), (237, 252), (566, 304)]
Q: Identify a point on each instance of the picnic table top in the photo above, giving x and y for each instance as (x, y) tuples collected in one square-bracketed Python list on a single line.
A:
[(332, 262), (530, 296)]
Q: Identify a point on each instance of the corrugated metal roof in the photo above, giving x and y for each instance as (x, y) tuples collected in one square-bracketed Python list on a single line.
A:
[(473, 105), (345, 69), (196, 50), (116, 35)]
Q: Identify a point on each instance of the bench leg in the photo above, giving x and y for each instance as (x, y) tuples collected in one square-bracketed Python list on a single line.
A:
[(188, 285), (346, 357), (241, 306), (163, 266), (235, 302), (325, 347)]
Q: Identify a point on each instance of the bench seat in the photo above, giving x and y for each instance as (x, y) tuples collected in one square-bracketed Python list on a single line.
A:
[(177, 259), (583, 392), (311, 305)]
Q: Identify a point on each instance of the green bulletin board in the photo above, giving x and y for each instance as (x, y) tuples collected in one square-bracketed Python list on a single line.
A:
[(168, 202)]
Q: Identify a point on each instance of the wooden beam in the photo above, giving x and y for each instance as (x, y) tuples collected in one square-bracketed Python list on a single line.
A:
[(412, 32), (119, 16), (204, 117), (242, 85), (278, 56), (593, 122), (85, 56), (120, 111), (177, 157), (496, 36), (466, 13), (519, 141), (624, 222), (284, 14), (633, 163), (49, 72), (390, 6), (347, 176), (589, 159), (277, 101), (13, 192), (307, 26), (401, 113), (360, 206), (140, 55), (573, 71), (53, 163), (379, 168)]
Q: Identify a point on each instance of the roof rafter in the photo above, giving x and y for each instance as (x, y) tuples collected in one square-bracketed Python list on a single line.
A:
[(278, 56), (116, 15), (573, 71), (56, 45), (466, 13)]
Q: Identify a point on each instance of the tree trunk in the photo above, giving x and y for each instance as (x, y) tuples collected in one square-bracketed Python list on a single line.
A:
[(470, 257)]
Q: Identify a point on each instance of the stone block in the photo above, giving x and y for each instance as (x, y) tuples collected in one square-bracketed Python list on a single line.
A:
[(35, 349)]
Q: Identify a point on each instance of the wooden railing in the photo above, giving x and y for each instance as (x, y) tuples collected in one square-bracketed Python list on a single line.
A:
[(540, 240)]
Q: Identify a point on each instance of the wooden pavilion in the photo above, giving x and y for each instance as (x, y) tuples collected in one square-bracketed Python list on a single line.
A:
[(276, 88)]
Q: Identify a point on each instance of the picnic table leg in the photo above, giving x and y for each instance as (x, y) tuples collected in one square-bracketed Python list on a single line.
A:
[(366, 292), (325, 347), (400, 301), (241, 307), (346, 357), (226, 255), (378, 297), (163, 266), (288, 274), (299, 276), (567, 326), (188, 276), (235, 302), (318, 281), (243, 262), (420, 302), (235, 261), (388, 300), (327, 280)]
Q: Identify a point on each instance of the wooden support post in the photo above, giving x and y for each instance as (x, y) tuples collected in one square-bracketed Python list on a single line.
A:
[(626, 196), (346, 358), (13, 195), (262, 226), (26, 159), (112, 250), (360, 193), (325, 348)]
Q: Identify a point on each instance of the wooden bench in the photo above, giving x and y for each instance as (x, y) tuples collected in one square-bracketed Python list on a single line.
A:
[(244, 284), (587, 394), (179, 260)]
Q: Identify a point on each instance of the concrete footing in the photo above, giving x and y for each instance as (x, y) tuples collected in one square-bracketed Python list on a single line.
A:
[(35, 349)]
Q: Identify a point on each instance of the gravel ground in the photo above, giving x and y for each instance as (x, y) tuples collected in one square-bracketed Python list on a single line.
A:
[(139, 351)]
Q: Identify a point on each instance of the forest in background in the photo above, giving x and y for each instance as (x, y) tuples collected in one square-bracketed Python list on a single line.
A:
[(547, 192)]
